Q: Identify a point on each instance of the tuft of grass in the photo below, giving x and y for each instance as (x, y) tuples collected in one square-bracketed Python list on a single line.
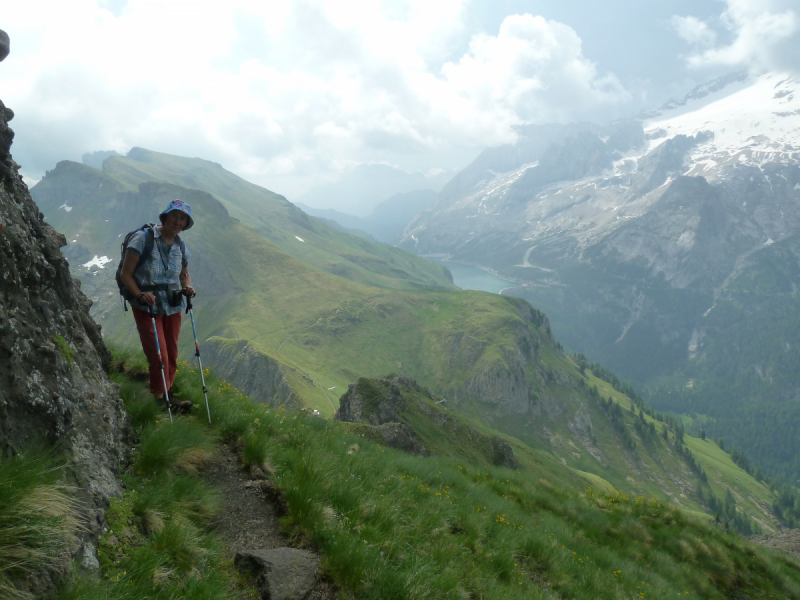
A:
[(162, 447), (38, 516), (254, 449), (139, 403), (193, 460), (176, 495), (65, 349)]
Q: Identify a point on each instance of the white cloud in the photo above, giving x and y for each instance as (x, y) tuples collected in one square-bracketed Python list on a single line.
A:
[(532, 70), (765, 36), (694, 31), (287, 93)]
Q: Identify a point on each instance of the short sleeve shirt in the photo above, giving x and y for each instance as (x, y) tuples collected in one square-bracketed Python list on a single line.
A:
[(162, 267)]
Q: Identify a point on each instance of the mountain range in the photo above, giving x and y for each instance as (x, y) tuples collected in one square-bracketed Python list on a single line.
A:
[(387, 221), (292, 311), (664, 247)]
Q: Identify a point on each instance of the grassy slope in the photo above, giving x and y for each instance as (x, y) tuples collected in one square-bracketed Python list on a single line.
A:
[(395, 526), (335, 330)]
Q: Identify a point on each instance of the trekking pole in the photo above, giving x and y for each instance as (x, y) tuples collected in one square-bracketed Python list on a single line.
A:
[(197, 354), (160, 362)]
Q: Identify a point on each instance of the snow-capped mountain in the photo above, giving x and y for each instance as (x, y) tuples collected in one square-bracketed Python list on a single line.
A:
[(652, 244), (585, 184), (755, 122)]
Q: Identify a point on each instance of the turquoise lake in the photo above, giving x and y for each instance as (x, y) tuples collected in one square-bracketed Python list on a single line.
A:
[(473, 278)]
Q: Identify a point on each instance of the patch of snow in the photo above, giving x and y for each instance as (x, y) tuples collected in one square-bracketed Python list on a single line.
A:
[(65, 207), (97, 262), (769, 242), (761, 115), (73, 241), (299, 238)]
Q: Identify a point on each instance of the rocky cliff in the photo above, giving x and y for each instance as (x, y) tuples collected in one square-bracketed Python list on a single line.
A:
[(53, 362), (252, 370)]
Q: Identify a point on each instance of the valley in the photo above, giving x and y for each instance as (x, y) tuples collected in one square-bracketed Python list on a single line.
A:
[(663, 247), (293, 311)]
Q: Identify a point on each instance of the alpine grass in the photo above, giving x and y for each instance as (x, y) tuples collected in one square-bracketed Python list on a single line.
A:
[(391, 525), (38, 516)]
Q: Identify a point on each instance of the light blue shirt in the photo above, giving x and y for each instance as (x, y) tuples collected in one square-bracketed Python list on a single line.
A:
[(162, 267)]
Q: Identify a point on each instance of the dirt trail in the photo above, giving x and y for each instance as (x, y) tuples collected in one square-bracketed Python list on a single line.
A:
[(248, 519)]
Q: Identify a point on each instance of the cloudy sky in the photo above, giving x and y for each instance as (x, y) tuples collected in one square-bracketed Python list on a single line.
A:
[(293, 93)]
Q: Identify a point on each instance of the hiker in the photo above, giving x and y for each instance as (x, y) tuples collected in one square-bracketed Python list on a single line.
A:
[(158, 284)]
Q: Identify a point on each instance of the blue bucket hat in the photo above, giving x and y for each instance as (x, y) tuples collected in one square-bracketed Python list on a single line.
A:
[(181, 206)]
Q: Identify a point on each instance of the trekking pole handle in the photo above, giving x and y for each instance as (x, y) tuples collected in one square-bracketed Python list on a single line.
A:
[(188, 303)]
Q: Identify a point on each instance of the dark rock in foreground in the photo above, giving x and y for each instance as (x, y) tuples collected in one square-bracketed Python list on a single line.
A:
[(53, 362), (282, 573)]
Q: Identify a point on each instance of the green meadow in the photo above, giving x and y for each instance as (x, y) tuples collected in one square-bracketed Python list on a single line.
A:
[(392, 525)]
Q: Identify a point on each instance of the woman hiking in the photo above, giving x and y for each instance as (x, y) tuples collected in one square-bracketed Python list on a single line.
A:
[(158, 284)]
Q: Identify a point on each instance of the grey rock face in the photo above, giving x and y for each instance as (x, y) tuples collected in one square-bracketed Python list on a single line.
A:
[(252, 371), (400, 436), (380, 404), (7, 165), (282, 573), (53, 362), (364, 402)]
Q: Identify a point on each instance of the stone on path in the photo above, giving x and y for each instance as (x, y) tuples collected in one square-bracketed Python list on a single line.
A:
[(280, 573)]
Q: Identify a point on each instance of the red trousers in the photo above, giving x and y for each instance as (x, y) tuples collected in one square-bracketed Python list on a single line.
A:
[(169, 328)]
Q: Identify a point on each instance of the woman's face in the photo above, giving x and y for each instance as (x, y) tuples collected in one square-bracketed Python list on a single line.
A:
[(176, 220)]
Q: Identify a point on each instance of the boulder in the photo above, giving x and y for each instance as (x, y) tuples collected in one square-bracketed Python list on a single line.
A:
[(503, 453), (280, 573)]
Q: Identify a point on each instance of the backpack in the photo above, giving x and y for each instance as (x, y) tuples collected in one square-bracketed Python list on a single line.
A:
[(149, 228)]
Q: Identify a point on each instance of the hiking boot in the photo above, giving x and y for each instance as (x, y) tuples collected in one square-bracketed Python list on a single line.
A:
[(180, 406)]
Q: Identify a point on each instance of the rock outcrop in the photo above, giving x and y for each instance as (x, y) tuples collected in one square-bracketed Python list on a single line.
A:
[(388, 406), (53, 362), (252, 370)]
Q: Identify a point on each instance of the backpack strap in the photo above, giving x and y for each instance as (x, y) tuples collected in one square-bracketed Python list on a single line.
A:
[(149, 242), (183, 248)]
